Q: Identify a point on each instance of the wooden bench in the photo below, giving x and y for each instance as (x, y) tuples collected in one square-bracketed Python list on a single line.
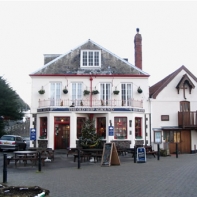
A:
[(71, 151), (149, 151), (33, 160), (96, 156), (83, 157)]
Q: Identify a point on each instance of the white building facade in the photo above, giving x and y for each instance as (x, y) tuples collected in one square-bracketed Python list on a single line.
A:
[(173, 106), (90, 82)]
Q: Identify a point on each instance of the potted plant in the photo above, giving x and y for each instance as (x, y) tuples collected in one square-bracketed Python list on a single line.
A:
[(139, 90), (42, 137), (65, 91), (86, 92), (42, 91), (116, 92), (95, 92)]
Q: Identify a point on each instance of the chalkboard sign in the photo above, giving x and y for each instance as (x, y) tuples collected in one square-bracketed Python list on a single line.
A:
[(110, 155)]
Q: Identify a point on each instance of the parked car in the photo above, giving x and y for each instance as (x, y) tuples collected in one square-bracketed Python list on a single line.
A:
[(12, 142), (27, 141)]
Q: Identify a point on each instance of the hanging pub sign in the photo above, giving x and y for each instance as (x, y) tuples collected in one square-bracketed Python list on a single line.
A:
[(157, 137), (111, 131), (32, 134)]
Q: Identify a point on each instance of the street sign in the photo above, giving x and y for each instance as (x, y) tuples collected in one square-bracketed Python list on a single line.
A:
[(32, 134)]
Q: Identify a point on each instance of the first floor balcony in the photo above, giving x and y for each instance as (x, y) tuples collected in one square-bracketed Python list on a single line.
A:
[(187, 119), (90, 103)]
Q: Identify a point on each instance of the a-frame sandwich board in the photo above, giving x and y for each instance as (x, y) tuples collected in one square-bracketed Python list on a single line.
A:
[(110, 155)]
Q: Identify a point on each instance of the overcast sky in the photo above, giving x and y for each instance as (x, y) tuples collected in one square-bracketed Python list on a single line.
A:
[(29, 29)]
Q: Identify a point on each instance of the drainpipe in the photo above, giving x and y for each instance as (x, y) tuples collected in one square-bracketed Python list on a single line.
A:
[(91, 79)]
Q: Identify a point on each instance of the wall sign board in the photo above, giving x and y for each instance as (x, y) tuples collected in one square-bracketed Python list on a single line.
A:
[(164, 117)]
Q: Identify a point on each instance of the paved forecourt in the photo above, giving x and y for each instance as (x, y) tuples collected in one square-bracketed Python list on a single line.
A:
[(169, 176)]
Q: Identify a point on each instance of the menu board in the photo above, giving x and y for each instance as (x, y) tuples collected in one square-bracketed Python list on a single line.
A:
[(110, 155), (141, 155)]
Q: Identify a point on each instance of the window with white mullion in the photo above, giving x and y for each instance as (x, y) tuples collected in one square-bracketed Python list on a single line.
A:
[(126, 94), (55, 93), (90, 58), (85, 59), (76, 93), (96, 58), (105, 93)]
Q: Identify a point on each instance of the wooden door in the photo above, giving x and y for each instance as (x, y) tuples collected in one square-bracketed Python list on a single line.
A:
[(185, 145), (172, 148), (62, 138)]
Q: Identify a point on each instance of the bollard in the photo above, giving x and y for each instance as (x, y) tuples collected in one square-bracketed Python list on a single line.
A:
[(176, 150), (39, 161), (78, 158), (4, 168), (134, 154), (158, 151)]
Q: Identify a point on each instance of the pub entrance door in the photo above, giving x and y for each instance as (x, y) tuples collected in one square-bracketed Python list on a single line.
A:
[(62, 134)]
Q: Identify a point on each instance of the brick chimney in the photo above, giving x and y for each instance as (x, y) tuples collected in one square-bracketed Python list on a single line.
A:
[(138, 49)]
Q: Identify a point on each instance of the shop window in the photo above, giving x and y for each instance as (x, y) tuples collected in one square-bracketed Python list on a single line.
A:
[(120, 128), (172, 136), (80, 122), (138, 128), (101, 127), (43, 127)]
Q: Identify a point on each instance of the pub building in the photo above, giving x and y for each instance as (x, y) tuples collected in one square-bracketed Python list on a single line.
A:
[(91, 82)]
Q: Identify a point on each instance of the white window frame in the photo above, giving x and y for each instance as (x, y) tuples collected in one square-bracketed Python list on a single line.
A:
[(126, 94), (90, 62), (77, 93), (105, 93), (55, 93)]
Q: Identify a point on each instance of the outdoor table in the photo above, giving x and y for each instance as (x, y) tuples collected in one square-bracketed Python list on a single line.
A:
[(44, 152), (94, 152), (24, 156)]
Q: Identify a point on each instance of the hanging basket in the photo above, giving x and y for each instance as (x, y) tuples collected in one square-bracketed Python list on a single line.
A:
[(116, 92), (139, 90), (41, 91), (86, 92), (65, 91), (95, 92)]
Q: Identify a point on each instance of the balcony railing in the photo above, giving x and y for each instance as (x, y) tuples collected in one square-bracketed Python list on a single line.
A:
[(90, 103), (187, 119)]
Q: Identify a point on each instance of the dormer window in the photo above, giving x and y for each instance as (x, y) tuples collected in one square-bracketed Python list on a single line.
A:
[(90, 58)]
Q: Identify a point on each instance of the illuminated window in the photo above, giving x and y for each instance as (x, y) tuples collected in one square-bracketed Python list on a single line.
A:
[(120, 128)]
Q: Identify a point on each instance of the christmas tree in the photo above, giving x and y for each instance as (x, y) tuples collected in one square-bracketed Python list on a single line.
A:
[(89, 138)]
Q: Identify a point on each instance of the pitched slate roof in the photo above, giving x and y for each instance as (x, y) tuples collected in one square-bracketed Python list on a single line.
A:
[(69, 63), (158, 87)]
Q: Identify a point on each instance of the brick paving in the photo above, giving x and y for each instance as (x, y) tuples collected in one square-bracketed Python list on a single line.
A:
[(167, 177)]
